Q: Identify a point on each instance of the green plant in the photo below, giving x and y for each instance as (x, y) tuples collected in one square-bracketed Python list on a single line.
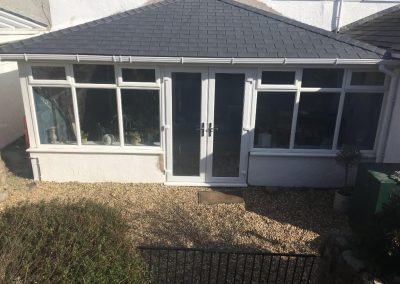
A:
[(84, 135), (81, 242), (382, 238), (348, 157)]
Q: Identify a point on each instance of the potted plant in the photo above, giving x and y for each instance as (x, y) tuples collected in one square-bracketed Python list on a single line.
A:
[(134, 137), (348, 157), (84, 137)]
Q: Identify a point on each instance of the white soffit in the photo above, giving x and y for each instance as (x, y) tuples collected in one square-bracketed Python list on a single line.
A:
[(11, 23)]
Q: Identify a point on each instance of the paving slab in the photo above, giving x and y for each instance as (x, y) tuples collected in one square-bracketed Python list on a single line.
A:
[(217, 197)]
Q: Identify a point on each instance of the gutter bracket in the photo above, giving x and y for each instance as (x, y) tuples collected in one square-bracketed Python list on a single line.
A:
[(284, 60), (77, 57), (336, 61), (130, 59), (181, 60), (232, 60), (26, 57)]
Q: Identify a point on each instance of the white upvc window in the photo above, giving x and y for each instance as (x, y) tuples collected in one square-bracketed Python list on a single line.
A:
[(324, 109), (90, 108)]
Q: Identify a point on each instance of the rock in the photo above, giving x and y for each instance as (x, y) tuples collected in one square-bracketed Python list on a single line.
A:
[(3, 196), (352, 261)]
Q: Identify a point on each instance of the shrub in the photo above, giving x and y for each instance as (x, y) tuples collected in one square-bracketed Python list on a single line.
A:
[(53, 242), (383, 237)]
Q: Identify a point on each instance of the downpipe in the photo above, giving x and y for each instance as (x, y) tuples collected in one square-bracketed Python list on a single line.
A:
[(388, 112)]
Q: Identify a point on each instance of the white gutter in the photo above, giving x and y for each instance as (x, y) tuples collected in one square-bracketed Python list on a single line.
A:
[(190, 60), (394, 80)]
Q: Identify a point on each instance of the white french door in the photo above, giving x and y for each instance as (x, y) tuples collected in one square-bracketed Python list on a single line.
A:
[(207, 118)]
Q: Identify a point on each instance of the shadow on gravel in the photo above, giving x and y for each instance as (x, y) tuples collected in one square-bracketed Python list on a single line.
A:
[(16, 159)]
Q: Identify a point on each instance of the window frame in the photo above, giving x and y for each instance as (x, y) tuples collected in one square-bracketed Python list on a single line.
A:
[(34, 81), (72, 85), (297, 87), (138, 85)]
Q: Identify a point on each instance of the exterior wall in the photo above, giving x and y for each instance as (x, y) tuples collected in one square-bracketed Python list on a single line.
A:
[(95, 167), (66, 13), (11, 107), (392, 153), (295, 171), (323, 14)]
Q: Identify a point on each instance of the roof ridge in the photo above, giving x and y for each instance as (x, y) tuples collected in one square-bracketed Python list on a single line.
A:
[(370, 17), (286, 20), (104, 20)]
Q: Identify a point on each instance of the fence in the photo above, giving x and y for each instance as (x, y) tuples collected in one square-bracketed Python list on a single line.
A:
[(188, 265)]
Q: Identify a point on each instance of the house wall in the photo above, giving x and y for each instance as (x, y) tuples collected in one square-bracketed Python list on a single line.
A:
[(96, 167), (11, 107), (301, 171), (323, 14), (392, 153)]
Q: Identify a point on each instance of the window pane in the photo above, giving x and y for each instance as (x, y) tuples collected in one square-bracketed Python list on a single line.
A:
[(322, 78), (96, 74), (141, 117), (98, 116), (273, 120), (55, 115), (277, 77), (138, 75), (48, 73), (367, 79), (316, 120), (360, 120)]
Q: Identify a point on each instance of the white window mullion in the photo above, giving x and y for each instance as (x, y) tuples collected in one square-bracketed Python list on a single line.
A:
[(71, 80), (299, 74), (340, 109), (120, 118)]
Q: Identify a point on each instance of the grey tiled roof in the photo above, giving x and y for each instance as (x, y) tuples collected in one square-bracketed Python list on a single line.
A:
[(381, 29), (197, 28)]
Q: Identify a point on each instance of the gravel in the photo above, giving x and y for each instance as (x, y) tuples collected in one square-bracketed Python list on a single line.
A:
[(272, 219)]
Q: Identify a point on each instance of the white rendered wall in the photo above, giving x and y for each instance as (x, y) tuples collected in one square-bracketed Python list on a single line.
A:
[(392, 153), (66, 13), (322, 14), (293, 171), (11, 107), (85, 167)]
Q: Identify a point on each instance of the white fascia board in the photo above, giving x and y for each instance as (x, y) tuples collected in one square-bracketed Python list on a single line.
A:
[(193, 60)]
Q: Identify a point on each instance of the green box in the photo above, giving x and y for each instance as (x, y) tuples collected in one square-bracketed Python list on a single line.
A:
[(372, 189)]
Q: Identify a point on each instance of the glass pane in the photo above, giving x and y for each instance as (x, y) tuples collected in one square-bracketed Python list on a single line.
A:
[(360, 120), (274, 120), (228, 115), (48, 73), (98, 116), (278, 77), (186, 117), (316, 120), (95, 74), (322, 78), (141, 117), (138, 75), (55, 115), (367, 79)]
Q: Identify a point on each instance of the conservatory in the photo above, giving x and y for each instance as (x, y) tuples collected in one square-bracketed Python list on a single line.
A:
[(159, 95)]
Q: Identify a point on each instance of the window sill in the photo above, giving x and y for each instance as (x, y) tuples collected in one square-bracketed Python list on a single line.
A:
[(97, 150)]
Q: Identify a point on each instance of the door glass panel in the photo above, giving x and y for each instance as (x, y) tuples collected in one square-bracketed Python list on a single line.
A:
[(228, 115), (186, 115)]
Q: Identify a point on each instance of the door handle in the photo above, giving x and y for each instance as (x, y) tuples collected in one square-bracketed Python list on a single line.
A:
[(201, 129), (211, 129)]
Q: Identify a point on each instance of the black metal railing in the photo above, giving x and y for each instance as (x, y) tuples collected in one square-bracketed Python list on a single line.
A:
[(189, 265)]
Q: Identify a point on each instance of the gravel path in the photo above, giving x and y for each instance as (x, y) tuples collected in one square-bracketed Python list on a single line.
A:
[(276, 220)]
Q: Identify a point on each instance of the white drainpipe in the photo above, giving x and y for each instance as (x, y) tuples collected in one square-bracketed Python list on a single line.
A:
[(339, 15), (387, 111)]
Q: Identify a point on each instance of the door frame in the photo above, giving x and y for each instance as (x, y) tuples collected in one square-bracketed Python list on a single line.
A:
[(207, 106)]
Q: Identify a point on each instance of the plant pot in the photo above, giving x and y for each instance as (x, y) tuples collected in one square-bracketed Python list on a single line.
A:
[(135, 140), (84, 140), (342, 202)]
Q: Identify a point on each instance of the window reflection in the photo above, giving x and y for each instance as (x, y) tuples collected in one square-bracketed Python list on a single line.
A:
[(55, 115), (98, 116)]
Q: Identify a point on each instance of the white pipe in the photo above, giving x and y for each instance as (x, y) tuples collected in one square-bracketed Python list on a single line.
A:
[(388, 111), (338, 17), (193, 60)]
